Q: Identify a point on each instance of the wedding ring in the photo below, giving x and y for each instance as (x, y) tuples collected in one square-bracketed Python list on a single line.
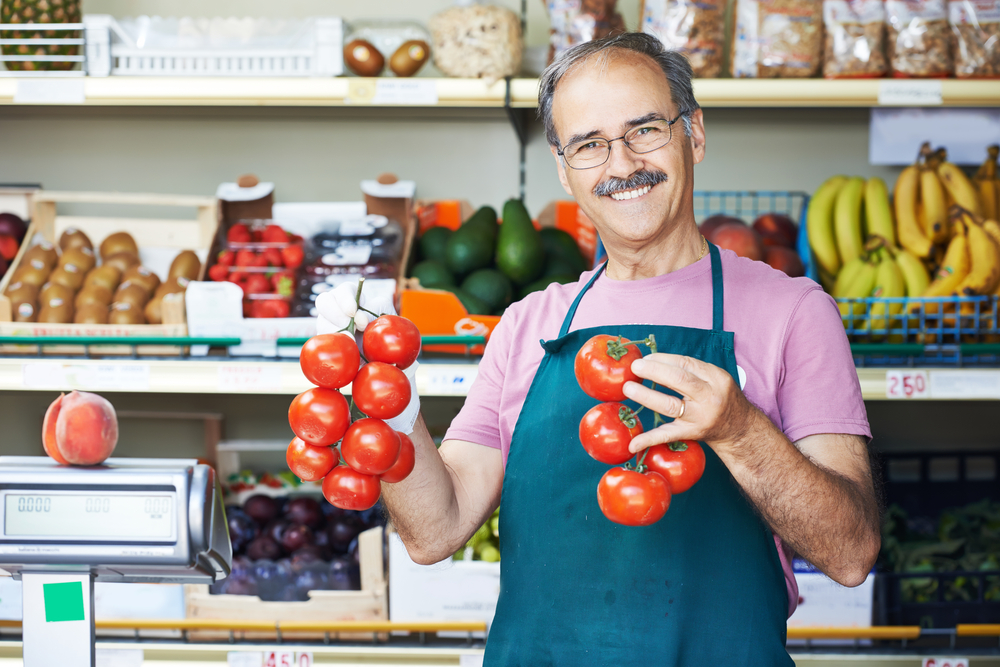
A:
[(683, 405)]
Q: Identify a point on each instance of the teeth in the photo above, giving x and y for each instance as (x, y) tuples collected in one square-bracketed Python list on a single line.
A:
[(630, 194)]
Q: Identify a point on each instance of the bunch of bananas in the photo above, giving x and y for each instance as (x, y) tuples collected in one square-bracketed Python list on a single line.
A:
[(931, 241)]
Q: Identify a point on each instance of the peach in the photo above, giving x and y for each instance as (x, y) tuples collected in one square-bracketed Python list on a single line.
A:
[(80, 429), (711, 223), (776, 229), (741, 239), (785, 259)]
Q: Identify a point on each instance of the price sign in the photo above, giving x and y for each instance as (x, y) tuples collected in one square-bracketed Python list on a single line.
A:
[(909, 92), (287, 659), (907, 384), (945, 662), (236, 378)]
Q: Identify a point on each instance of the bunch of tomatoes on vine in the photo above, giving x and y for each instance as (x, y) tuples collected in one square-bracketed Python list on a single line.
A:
[(639, 493), (348, 445)]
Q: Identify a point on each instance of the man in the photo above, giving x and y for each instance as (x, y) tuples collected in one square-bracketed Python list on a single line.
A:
[(787, 464)]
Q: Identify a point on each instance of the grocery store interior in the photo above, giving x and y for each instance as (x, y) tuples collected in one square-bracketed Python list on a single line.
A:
[(210, 146)]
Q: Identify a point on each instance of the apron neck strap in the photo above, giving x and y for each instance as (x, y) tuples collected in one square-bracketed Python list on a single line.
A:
[(713, 252)]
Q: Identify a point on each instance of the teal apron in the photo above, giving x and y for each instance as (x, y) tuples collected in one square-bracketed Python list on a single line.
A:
[(702, 586)]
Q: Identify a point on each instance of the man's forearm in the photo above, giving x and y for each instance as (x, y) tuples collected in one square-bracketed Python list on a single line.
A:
[(827, 518)]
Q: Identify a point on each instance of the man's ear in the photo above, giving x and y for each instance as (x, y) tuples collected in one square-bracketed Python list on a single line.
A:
[(561, 169), (697, 135)]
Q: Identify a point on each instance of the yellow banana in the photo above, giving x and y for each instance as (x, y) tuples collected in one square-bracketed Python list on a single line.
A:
[(859, 287), (935, 209), (878, 213), (889, 283), (984, 257), (847, 219), (847, 275), (914, 273), (819, 225), (954, 268), (992, 228), (905, 197), (989, 187), (958, 185)]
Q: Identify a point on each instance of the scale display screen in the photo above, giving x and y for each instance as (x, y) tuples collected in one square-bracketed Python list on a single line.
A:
[(89, 515)]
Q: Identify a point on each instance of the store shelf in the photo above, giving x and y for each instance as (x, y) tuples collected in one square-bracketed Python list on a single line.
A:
[(355, 91)]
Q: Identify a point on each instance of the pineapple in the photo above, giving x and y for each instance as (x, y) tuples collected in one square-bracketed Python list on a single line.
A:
[(40, 11)]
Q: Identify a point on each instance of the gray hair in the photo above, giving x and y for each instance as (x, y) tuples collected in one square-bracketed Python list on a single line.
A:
[(674, 65)]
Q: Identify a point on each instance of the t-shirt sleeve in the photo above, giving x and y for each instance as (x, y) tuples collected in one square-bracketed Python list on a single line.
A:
[(479, 419), (819, 390)]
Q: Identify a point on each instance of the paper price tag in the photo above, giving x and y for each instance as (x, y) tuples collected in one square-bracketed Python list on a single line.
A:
[(87, 377), (236, 378), (907, 384), (909, 93), (405, 91), (245, 659), (50, 91), (470, 660), (286, 659), (968, 384), (945, 662), (447, 380)]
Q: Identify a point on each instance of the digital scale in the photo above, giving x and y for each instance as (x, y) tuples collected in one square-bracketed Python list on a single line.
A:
[(128, 520)]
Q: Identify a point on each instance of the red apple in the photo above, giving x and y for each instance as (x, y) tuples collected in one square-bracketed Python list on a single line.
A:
[(712, 223), (741, 239), (776, 229), (785, 259)]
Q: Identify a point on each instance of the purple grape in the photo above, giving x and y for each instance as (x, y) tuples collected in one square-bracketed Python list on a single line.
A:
[(306, 511), (263, 548), (261, 508)]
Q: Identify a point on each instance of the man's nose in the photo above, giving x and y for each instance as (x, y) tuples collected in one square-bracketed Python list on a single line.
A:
[(622, 162)]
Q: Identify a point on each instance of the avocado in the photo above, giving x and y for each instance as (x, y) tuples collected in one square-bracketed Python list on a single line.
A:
[(432, 274), (542, 283), (471, 246), (560, 265), (520, 253), (560, 244), (473, 305), (433, 242), (491, 287)]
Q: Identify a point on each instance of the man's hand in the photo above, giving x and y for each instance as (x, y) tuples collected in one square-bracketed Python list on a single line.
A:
[(713, 410)]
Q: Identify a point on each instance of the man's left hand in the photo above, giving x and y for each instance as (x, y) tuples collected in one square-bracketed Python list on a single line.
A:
[(713, 409)]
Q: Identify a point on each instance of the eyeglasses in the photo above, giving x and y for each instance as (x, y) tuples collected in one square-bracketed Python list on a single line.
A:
[(646, 138)]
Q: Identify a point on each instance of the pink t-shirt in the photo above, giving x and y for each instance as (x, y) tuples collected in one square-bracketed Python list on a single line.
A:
[(789, 341)]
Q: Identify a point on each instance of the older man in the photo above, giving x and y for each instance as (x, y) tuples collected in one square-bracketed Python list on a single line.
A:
[(762, 374)]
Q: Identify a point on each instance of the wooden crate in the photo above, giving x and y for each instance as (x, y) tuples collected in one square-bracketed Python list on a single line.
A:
[(369, 604), (191, 234)]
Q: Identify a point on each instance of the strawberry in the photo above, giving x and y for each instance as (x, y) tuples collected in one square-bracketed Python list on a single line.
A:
[(292, 256), (227, 258), (257, 283), (257, 235), (283, 282), (260, 261), (274, 234), (218, 272), (238, 233), (273, 257), (246, 258), (271, 308)]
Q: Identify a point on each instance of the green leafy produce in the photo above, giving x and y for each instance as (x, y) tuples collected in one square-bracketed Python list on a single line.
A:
[(433, 242), (491, 287), (519, 252), (432, 274)]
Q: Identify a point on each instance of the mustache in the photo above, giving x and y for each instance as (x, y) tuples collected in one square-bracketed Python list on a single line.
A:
[(639, 179)]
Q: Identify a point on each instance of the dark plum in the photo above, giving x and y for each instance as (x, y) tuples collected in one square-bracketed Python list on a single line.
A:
[(306, 556), (321, 539), (296, 537), (242, 529), (306, 511), (312, 578), (341, 531), (373, 516), (354, 552), (261, 508), (241, 580), (272, 579), (263, 548), (276, 529), (344, 575)]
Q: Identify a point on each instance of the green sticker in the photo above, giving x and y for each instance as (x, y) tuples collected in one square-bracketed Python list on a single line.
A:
[(63, 602)]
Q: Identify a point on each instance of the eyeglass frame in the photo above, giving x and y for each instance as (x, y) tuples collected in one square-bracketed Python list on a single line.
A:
[(670, 124)]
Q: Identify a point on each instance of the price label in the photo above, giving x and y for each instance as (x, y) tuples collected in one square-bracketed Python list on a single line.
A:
[(909, 93), (907, 384), (945, 662), (470, 660), (50, 91), (446, 380), (287, 659), (87, 377), (236, 378), (245, 659)]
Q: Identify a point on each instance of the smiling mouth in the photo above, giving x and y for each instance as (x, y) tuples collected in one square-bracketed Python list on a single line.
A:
[(630, 194)]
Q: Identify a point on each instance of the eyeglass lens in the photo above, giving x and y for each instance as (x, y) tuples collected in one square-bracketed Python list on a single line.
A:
[(594, 152)]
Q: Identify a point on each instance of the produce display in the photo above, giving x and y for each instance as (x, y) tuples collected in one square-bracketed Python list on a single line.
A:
[(931, 240), (489, 266), (40, 11), (370, 45), (372, 452), (770, 239), (80, 429), (70, 283), (12, 231), (285, 547), (484, 544)]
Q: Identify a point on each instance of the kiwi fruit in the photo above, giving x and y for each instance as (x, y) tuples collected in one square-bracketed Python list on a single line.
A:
[(185, 264), (26, 311), (33, 272), (44, 252), (154, 310), (95, 294), (74, 238), (140, 275), (91, 313), (14, 286), (107, 276), (56, 311), (23, 302), (52, 290), (362, 58), (129, 292), (173, 286), (118, 242), (68, 275), (409, 57), (81, 257), (125, 313), (121, 260)]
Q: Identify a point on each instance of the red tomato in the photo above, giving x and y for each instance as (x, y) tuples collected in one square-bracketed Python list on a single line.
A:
[(381, 390), (600, 375), (310, 464), (238, 233), (403, 466), (218, 272), (330, 360), (351, 490), (292, 256), (681, 463), (605, 433), (392, 339), (632, 498), (370, 446), (319, 416)]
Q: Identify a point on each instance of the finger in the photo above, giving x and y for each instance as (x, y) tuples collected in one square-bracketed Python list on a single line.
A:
[(344, 296), (326, 306), (361, 321), (682, 381), (661, 435), (325, 326), (657, 401), (695, 366)]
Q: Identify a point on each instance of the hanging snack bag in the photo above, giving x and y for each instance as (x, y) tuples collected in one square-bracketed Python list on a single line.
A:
[(855, 38), (572, 22), (976, 26), (919, 38), (695, 28), (777, 38)]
